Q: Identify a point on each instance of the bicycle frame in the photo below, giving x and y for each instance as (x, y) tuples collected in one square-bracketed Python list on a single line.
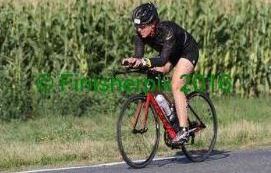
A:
[(150, 101)]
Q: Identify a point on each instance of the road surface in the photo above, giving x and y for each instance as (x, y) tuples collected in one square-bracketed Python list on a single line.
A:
[(256, 161)]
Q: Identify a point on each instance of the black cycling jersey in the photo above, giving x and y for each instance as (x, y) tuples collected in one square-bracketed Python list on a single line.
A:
[(171, 41)]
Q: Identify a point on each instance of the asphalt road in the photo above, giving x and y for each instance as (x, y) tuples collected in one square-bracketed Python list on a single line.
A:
[(256, 161)]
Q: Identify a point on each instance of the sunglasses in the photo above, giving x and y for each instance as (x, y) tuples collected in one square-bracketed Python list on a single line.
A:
[(140, 26)]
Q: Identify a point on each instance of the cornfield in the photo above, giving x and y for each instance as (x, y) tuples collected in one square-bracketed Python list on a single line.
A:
[(90, 38)]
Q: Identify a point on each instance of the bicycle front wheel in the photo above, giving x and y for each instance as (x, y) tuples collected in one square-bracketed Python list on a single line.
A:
[(137, 134), (202, 120)]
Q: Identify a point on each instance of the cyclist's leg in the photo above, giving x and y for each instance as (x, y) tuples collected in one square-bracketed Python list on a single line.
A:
[(184, 66)]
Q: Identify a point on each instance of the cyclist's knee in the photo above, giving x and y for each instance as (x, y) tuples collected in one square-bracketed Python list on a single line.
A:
[(177, 85)]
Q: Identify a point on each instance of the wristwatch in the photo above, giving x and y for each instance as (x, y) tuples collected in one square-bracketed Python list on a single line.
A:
[(146, 62)]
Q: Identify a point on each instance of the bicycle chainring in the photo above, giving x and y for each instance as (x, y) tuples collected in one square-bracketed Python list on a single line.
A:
[(168, 142)]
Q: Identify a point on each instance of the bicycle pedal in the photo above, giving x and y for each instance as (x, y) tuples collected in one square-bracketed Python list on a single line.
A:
[(179, 144), (176, 146)]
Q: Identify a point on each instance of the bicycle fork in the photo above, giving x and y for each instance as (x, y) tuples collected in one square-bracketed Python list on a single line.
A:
[(138, 117)]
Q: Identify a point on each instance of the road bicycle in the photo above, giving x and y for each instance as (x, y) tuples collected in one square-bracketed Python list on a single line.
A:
[(138, 129)]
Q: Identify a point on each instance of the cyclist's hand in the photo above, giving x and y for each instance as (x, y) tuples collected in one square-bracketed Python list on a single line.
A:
[(138, 63), (128, 62)]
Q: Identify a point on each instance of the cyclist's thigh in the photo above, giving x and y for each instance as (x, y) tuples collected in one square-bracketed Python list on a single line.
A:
[(184, 66)]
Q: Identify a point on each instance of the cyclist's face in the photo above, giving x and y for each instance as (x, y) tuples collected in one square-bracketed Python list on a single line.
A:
[(145, 30)]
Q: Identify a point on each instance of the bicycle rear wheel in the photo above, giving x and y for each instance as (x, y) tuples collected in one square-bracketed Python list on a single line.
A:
[(137, 137), (201, 118)]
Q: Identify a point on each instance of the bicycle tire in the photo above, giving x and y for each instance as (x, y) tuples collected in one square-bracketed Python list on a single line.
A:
[(129, 161), (205, 155)]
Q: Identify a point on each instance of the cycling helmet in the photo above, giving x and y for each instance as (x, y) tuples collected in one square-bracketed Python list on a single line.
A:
[(144, 14)]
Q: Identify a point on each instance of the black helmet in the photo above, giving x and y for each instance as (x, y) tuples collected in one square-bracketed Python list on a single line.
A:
[(144, 14)]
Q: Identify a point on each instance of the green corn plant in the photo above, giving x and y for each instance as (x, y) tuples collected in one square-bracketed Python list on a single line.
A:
[(91, 37)]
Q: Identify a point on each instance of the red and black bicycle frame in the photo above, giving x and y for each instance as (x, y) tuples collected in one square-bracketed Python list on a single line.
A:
[(150, 101)]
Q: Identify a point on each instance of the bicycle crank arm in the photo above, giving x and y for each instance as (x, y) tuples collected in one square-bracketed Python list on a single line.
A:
[(192, 130), (196, 129)]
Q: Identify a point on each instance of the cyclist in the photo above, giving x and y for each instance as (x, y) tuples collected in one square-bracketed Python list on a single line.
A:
[(176, 47)]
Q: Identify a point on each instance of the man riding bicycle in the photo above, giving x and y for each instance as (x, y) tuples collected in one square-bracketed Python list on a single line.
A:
[(176, 47)]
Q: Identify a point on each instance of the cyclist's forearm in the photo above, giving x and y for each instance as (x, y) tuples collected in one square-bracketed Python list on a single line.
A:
[(162, 59), (158, 61)]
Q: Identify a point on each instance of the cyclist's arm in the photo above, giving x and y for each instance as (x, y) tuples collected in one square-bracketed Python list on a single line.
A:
[(139, 47), (162, 58)]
